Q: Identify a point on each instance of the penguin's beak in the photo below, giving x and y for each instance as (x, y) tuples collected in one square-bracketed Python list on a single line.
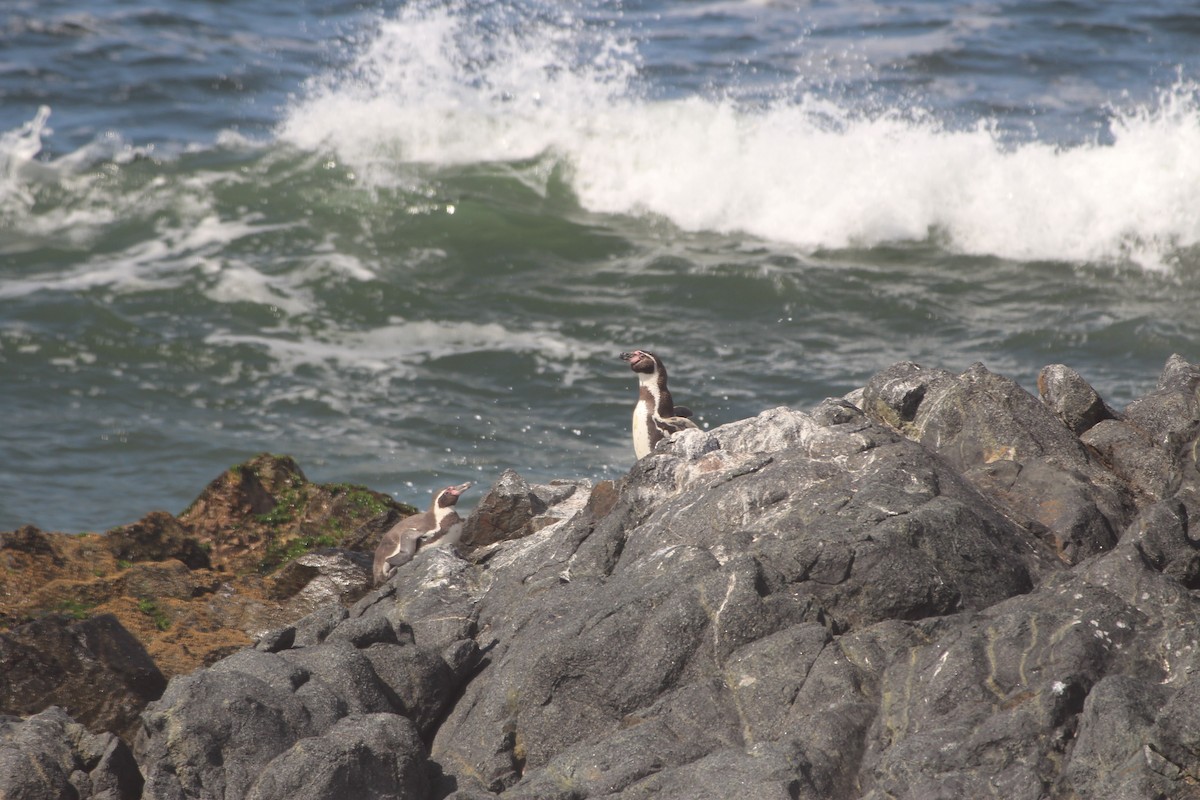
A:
[(462, 487), (627, 356)]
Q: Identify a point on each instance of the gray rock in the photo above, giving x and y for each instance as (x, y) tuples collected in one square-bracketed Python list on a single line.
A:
[(421, 685), (707, 550), (1012, 447), (1163, 537), (1174, 742), (369, 630), (339, 669), (435, 595), (276, 640), (1164, 461), (365, 757), (214, 731), (515, 509), (1003, 688), (313, 628), (1150, 470), (1170, 414), (1109, 757), (50, 755), (950, 595), (1072, 398), (318, 578)]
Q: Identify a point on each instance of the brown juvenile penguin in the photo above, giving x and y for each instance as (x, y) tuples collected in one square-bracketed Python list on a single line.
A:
[(655, 414), (399, 545)]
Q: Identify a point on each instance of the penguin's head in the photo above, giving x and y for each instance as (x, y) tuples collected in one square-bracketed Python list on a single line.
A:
[(643, 362), (449, 496)]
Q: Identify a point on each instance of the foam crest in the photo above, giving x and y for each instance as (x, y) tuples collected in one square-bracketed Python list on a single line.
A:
[(17, 150), (460, 83), (439, 85), (167, 262), (795, 174)]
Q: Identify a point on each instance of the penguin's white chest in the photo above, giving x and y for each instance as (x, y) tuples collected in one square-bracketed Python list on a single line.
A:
[(641, 430)]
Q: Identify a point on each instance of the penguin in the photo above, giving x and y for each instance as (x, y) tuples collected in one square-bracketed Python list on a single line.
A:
[(399, 545), (655, 414)]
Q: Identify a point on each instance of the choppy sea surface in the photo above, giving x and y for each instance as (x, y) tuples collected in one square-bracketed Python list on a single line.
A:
[(405, 242)]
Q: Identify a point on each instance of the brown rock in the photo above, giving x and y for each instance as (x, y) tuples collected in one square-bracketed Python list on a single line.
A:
[(31, 541), (187, 591), (603, 499), (237, 513), (157, 537), (507, 511), (258, 515)]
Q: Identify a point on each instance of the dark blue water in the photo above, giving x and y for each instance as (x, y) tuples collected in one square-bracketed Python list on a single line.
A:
[(405, 242)]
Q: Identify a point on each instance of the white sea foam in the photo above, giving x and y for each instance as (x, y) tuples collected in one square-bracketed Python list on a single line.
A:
[(17, 150), (92, 206), (799, 171)]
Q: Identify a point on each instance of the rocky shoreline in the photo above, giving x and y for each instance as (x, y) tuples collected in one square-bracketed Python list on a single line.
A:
[(941, 586)]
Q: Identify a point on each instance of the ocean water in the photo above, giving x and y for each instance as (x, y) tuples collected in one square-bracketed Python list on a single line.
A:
[(405, 242)]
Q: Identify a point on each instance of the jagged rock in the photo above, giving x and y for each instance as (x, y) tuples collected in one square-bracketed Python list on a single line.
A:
[(328, 575), (1171, 414), (949, 595), (1150, 471), (1072, 398), (251, 515), (157, 537), (50, 755), (513, 508), (507, 511), (1169, 418), (253, 489), (329, 686), (715, 543), (434, 596), (1109, 757), (1162, 535), (1012, 447), (93, 667), (366, 757), (1175, 739), (313, 628)]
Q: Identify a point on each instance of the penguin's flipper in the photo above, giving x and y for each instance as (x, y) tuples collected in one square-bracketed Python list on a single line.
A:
[(431, 537), (400, 559), (406, 550), (682, 411), (674, 424)]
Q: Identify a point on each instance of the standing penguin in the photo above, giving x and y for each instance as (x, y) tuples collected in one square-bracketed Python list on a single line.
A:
[(655, 414), (399, 545)]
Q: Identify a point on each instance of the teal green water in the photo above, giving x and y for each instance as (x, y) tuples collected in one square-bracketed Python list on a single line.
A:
[(419, 268)]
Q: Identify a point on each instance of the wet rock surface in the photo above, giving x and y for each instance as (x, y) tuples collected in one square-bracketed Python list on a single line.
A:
[(949, 588)]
